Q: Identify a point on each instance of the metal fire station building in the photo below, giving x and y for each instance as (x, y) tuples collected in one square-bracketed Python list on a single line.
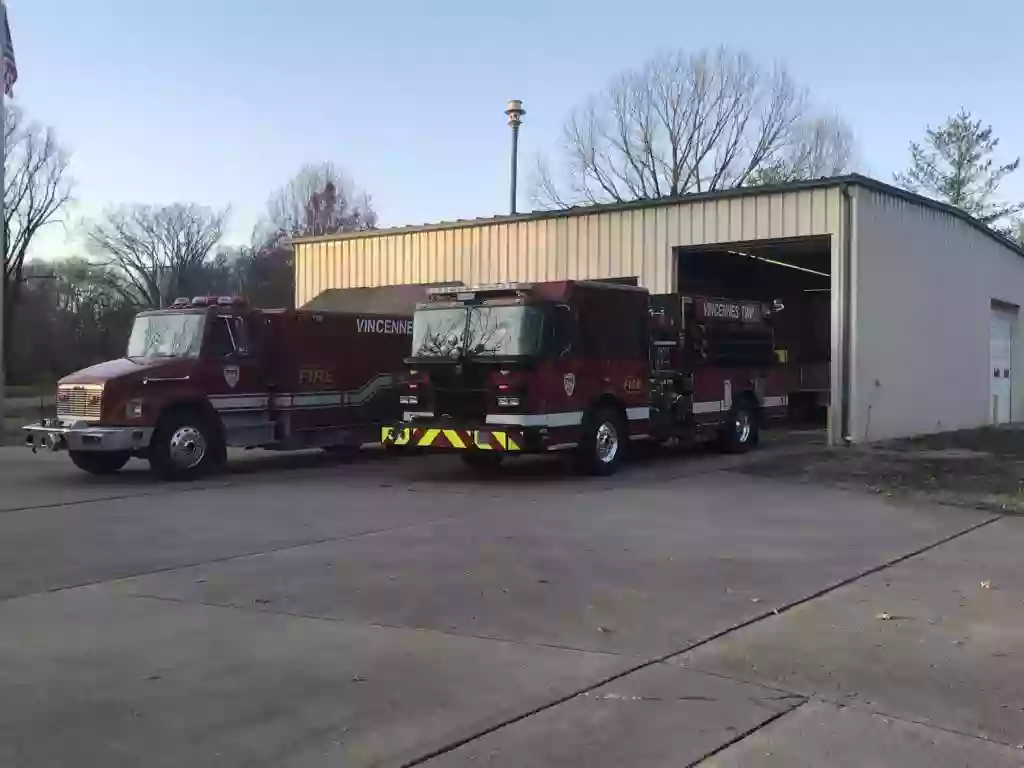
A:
[(925, 301)]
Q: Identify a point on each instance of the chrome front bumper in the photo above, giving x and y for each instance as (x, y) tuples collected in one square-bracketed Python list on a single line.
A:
[(58, 435)]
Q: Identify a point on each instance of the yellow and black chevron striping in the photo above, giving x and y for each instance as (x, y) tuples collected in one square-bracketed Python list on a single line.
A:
[(436, 437)]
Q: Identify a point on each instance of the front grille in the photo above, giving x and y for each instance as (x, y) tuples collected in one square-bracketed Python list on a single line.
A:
[(461, 394), (80, 402), (462, 403)]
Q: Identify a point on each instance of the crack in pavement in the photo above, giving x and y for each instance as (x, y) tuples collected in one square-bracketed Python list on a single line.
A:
[(364, 623), (746, 734), (238, 556), (455, 744), (115, 497)]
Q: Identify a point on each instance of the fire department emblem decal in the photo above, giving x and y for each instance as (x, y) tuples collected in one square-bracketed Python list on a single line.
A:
[(569, 382), (231, 375)]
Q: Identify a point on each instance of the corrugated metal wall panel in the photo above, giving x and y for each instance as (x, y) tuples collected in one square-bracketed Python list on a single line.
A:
[(924, 282), (631, 242)]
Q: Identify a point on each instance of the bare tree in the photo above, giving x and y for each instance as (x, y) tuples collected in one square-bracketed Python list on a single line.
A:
[(37, 186), (161, 250), (318, 200), (816, 147), (264, 275), (74, 318), (691, 123)]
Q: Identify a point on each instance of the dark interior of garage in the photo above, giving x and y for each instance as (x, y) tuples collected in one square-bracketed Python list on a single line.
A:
[(794, 272)]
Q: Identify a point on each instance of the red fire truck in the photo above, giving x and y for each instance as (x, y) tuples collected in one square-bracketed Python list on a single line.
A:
[(585, 367), (210, 372)]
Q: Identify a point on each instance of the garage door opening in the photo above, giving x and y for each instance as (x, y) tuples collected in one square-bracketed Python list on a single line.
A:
[(795, 273)]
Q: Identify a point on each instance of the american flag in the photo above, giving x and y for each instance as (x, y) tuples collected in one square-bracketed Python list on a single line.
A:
[(10, 66)]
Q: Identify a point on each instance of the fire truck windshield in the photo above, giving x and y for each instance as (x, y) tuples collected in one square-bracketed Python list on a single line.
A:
[(509, 330), (177, 334)]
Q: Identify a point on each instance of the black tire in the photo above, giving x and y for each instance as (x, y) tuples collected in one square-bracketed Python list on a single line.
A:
[(170, 455), (100, 463), (603, 443), (482, 461), (740, 432)]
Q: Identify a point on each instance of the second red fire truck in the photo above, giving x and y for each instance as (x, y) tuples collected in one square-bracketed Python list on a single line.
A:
[(585, 367)]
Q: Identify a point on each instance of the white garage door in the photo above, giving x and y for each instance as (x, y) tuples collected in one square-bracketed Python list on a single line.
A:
[(1000, 350)]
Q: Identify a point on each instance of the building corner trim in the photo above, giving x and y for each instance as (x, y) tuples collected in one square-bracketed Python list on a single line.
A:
[(846, 313)]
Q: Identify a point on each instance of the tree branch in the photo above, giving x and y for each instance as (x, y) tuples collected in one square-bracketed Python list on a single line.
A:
[(688, 123)]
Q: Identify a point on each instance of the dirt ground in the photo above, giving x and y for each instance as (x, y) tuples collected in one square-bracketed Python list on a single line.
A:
[(978, 468)]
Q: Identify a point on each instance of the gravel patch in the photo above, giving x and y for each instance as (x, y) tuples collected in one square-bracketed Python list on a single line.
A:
[(978, 468)]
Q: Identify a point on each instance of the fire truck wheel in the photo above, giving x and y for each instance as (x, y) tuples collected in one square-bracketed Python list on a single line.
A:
[(739, 432), (185, 446), (482, 460), (600, 451), (99, 463)]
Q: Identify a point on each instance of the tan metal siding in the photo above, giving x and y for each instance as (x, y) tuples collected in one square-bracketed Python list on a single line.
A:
[(633, 242)]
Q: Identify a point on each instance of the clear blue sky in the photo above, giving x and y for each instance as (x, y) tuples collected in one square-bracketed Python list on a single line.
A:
[(220, 101)]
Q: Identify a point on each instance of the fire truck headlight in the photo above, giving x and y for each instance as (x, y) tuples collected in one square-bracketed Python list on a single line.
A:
[(508, 402), (134, 409), (409, 400)]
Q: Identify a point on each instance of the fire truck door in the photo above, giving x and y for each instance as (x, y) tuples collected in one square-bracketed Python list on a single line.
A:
[(564, 395), (234, 374)]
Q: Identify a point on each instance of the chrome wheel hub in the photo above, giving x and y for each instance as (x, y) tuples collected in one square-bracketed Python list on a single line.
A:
[(607, 443), (743, 426), (187, 448)]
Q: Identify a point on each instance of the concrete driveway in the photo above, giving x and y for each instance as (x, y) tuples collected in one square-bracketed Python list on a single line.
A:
[(301, 611)]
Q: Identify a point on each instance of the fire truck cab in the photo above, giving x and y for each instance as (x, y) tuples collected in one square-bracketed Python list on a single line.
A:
[(585, 367)]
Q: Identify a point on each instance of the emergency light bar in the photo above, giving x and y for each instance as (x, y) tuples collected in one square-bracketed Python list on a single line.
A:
[(211, 301), (504, 287), (451, 296), (471, 289)]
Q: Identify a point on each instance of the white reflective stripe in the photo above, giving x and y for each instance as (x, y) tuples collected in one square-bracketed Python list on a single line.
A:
[(714, 406), (335, 397), (369, 389), (307, 400), (238, 402), (410, 415), (561, 446), (316, 399), (572, 418), (637, 414), (303, 399), (775, 402), (727, 398)]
